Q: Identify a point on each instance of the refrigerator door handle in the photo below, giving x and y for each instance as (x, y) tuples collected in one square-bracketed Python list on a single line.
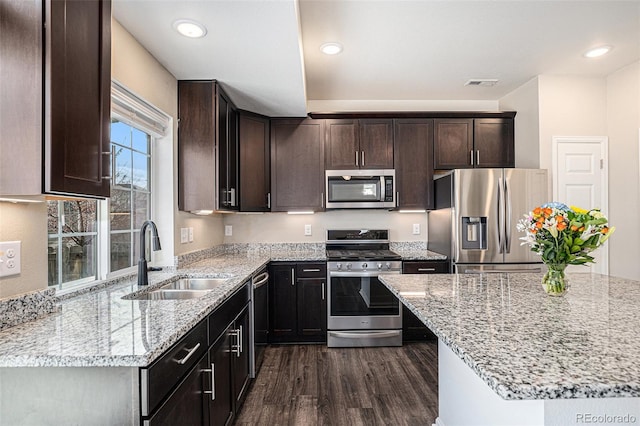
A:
[(507, 227), (500, 217)]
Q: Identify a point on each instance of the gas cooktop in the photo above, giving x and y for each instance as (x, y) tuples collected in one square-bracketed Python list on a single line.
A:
[(365, 254)]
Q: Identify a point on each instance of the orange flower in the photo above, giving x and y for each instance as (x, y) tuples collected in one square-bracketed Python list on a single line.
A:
[(581, 229), (547, 211), (539, 225), (574, 228), (605, 230), (562, 226), (537, 211)]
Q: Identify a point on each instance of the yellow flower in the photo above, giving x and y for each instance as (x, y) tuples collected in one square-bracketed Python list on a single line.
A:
[(579, 210)]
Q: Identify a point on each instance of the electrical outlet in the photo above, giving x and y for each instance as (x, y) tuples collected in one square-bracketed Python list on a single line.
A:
[(307, 230), (416, 229), (190, 234), (228, 230), (184, 235), (10, 258)]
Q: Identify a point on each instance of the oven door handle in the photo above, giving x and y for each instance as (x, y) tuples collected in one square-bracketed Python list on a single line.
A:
[(367, 335), (361, 273)]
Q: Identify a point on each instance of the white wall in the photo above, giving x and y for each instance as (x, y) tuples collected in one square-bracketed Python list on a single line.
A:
[(524, 100), (138, 70), (623, 123), (282, 227)]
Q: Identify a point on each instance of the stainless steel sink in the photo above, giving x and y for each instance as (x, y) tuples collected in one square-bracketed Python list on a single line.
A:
[(169, 294), (196, 283)]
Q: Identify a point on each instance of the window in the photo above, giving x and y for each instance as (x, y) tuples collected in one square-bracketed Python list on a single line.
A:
[(90, 239)]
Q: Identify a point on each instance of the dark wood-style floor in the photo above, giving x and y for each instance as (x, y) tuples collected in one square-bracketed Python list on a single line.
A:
[(316, 385)]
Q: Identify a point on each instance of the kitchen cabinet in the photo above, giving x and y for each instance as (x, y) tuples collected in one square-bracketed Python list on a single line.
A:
[(207, 147), (413, 163), (298, 311), (474, 142), (297, 165), (253, 144), (362, 143), (414, 330), (71, 109)]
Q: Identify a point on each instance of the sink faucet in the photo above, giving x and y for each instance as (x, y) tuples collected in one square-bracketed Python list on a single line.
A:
[(143, 279)]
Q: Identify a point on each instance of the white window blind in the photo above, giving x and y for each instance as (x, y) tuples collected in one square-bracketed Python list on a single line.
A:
[(127, 107)]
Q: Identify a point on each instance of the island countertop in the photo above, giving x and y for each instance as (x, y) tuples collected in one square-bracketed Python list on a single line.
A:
[(525, 344)]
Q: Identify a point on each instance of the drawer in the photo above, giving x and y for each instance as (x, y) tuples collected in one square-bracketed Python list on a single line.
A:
[(157, 380), (311, 270), (227, 312), (425, 267)]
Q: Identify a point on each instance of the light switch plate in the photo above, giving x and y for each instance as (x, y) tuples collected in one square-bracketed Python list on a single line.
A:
[(190, 234), (228, 230), (307, 230), (416, 229), (10, 258), (184, 235)]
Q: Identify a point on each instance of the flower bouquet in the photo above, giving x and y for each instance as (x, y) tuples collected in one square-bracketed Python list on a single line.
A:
[(563, 236)]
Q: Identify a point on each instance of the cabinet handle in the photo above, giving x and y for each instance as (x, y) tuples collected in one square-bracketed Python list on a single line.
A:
[(189, 355), (268, 200), (426, 269), (397, 198), (236, 348), (293, 277), (362, 158), (356, 158), (240, 342), (232, 197), (112, 163), (311, 270), (322, 291), (471, 156), (477, 157), (212, 371), (322, 199)]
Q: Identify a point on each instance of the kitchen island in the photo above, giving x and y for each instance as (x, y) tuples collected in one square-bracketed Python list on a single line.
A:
[(510, 354)]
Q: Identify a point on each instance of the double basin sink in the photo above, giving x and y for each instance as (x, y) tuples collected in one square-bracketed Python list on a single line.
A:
[(184, 288)]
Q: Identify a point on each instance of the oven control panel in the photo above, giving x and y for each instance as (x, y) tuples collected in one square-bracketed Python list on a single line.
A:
[(368, 266)]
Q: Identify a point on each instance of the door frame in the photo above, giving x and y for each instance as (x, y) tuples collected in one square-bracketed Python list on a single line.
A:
[(603, 141)]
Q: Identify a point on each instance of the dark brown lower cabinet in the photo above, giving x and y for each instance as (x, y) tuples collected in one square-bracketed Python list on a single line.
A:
[(413, 330), (220, 401), (298, 310)]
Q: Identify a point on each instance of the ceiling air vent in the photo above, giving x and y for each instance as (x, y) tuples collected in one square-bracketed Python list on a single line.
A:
[(487, 82)]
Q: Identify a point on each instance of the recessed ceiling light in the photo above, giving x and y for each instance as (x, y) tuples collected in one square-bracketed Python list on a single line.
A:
[(331, 48), (597, 51), (189, 28)]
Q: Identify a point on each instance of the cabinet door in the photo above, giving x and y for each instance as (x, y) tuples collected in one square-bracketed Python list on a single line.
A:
[(78, 97), (253, 135), (341, 145), (297, 165), (376, 144), (283, 306), (196, 145), (221, 400), (413, 152), (21, 99), (453, 144), (494, 142), (312, 309), (240, 355), (232, 158), (187, 404), (224, 196)]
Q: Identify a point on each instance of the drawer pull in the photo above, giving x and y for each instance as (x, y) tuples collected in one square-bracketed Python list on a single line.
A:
[(426, 269), (212, 392), (293, 277), (311, 270), (189, 355), (322, 291)]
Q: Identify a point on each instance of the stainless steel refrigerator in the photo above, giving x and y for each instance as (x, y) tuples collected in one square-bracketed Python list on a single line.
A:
[(475, 219)]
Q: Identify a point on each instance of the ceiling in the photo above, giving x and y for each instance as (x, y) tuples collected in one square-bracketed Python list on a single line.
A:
[(266, 52)]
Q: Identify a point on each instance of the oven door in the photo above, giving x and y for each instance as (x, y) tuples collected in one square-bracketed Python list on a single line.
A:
[(359, 301)]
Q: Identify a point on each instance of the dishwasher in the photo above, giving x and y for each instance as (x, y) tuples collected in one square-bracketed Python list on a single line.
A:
[(260, 319)]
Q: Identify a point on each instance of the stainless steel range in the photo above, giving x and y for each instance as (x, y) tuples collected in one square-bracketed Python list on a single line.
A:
[(361, 310)]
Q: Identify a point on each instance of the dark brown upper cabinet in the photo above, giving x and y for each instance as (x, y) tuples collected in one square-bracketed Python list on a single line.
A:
[(297, 164), (413, 158), (207, 147), (361, 143), (477, 142), (74, 101), (255, 174)]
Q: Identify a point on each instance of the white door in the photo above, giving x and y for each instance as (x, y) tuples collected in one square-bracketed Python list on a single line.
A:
[(580, 178)]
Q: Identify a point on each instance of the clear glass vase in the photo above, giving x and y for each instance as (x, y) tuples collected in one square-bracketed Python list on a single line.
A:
[(554, 281)]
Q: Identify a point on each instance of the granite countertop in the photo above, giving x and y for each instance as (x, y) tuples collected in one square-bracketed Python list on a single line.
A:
[(413, 254), (525, 344), (99, 328)]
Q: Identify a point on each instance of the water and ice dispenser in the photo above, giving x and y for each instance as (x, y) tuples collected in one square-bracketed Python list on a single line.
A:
[(474, 233)]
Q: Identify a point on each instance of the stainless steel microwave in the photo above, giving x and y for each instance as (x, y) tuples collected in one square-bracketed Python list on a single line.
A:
[(364, 189)]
